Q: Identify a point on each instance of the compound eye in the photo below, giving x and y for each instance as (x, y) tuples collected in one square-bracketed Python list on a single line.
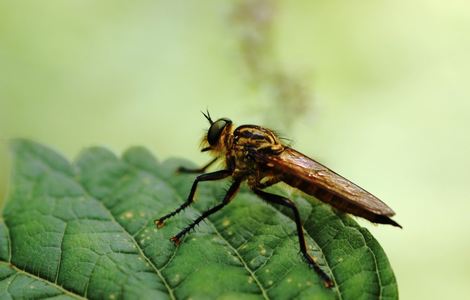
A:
[(215, 131)]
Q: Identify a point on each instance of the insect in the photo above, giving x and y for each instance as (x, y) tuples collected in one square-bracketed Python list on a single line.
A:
[(255, 154)]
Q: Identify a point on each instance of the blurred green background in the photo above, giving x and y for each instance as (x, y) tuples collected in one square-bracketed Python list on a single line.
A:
[(378, 91)]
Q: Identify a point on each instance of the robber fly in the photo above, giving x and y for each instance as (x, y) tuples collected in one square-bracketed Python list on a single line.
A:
[(257, 155)]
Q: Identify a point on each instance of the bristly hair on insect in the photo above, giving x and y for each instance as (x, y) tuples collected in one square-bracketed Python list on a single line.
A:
[(208, 116)]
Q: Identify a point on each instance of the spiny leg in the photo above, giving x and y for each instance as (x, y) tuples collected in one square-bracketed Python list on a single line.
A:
[(228, 197), (198, 170), (303, 246), (204, 177)]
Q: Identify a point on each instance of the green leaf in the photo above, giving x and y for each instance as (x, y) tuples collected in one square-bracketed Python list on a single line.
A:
[(85, 230)]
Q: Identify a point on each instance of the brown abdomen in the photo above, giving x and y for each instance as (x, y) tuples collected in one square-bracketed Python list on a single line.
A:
[(336, 201)]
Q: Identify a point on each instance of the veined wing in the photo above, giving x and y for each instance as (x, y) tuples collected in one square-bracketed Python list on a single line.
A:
[(298, 169)]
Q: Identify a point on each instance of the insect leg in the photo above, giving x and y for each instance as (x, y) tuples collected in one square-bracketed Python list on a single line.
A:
[(228, 197), (199, 170), (303, 246), (204, 177), (270, 181)]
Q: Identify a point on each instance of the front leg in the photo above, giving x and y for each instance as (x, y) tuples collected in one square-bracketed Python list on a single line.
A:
[(228, 197), (204, 177), (198, 170)]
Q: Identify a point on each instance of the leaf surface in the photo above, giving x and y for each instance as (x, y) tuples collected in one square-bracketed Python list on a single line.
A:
[(85, 230)]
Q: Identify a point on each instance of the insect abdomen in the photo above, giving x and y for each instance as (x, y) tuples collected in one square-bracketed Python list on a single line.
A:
[(336, 201)]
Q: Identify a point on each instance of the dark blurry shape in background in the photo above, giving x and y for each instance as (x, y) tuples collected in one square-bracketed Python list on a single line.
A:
[(288, 95)]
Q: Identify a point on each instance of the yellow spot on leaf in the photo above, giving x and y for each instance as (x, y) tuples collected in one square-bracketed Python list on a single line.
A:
[(128, 214)]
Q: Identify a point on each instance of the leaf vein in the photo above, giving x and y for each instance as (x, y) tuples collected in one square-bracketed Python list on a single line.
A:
[(61, 252), (36, 277), (210, 223), (9, 241), (139, 249)]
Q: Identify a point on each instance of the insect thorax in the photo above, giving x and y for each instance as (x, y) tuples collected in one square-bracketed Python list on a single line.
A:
[(257, 138), (250, 140)]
